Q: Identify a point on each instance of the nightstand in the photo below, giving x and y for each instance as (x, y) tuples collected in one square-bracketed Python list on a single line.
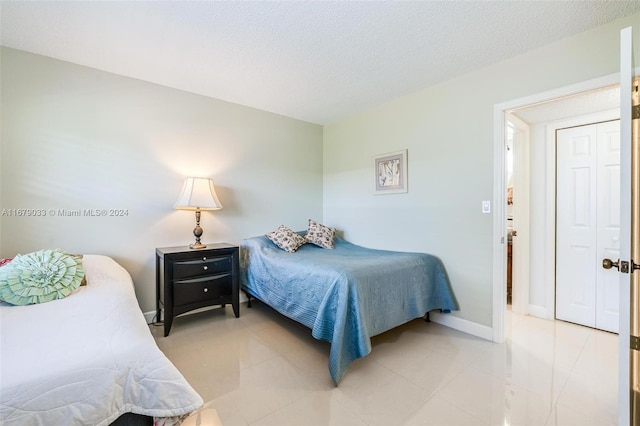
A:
[(188, 279)]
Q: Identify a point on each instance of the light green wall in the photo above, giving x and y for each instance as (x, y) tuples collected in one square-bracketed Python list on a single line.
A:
[(78, 138), (74, 137), (448, 131)]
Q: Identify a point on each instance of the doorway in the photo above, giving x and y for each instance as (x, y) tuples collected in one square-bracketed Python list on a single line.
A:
[(533, 208), (542, 113), (624, 81)]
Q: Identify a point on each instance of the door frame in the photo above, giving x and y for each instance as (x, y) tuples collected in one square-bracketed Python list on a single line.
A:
[(500, 189)]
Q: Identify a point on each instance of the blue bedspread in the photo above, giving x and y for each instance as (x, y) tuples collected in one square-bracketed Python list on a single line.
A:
[(345, 295)]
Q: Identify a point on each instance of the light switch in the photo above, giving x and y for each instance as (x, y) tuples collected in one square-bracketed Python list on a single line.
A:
[(486, 206)]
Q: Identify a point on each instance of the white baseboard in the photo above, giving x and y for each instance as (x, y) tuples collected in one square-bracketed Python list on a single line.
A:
[(149, 316), (448, 320), (538, 311), (464, 325)]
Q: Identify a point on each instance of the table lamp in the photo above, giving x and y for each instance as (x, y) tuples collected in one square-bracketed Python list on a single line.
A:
[(198, 194)]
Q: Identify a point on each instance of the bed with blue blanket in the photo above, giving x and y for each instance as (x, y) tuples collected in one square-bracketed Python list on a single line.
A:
[(345, 295)]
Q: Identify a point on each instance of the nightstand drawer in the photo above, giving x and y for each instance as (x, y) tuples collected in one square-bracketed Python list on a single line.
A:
[(201, 266), (202, 289)]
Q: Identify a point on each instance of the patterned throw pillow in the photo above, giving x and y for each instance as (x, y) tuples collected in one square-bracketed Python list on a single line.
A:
[(320, 235), (39, 277), (286, 239)]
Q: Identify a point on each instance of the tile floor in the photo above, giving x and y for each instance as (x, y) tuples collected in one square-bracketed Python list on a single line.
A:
[(264, 369)]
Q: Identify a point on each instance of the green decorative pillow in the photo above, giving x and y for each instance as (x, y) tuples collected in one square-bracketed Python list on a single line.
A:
[(39, 277)]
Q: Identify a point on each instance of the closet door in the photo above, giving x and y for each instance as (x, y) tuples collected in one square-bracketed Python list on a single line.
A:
[(576, 225), (588, 224), (608, 226)]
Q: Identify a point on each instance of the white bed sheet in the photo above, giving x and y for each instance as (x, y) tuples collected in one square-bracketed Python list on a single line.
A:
[(86, 359)]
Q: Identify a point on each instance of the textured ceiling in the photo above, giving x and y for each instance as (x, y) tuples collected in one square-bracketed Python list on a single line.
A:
[(315, 61)]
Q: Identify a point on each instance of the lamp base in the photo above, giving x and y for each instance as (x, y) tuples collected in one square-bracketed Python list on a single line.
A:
[(197, 232)]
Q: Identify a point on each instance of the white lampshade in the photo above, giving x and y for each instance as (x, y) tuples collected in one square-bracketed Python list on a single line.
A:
[(198, 193)]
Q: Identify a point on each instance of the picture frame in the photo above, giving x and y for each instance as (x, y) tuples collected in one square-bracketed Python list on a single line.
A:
[(390, 173)]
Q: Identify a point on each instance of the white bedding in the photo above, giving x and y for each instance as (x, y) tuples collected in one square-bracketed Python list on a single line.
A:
[(86, 359)]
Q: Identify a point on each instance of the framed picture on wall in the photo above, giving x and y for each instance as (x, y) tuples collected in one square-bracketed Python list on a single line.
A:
[(390, 171)]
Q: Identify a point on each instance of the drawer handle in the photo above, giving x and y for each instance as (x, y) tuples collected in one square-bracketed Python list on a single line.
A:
[(204, 258), (205, 267), (206, 289)]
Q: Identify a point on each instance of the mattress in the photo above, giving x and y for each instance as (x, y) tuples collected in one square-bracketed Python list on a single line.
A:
[(87, 359)]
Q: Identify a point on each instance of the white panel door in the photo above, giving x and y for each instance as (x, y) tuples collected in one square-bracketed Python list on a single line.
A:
[(576, 225), (588, 224), (608, 225), (629, 357)]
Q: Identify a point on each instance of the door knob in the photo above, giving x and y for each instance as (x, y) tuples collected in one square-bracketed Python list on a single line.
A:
[(608, 264)]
